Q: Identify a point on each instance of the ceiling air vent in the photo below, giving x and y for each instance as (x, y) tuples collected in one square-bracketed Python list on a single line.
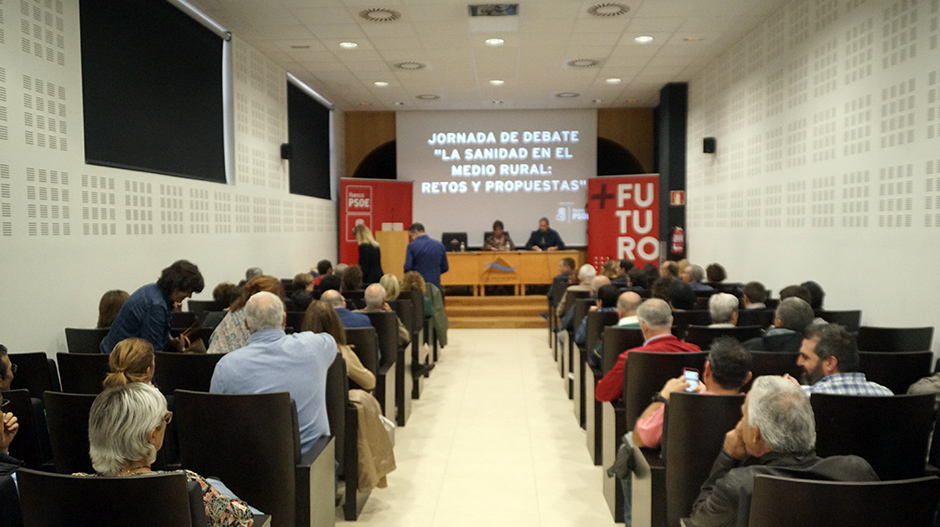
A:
[(494, 9), (583, 63), (379, 14), (410, 65), (608, 9)]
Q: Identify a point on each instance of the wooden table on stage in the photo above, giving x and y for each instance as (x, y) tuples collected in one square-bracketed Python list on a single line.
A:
[(516, 268)]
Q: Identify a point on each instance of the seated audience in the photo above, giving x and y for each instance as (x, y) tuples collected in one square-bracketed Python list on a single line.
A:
[(7, 369), (272, 361), (669, 268), (567, 274), (586, 273), (816, 294), (656, 324), (324, 268), (375, 303), (623, 266), (637, 280), (109, 306), (392, 286), (433, 304), (776, 436), (754, 295), (252, 272), (798, 291), (303, 292), (611, 269), (715, 274), (376, 457), (333, 282), (352, 279), (659, 288), (792, 317), (146, 313), (9, 499), (627, 304), (652, 274), (126, 428), (349, 319), (680, 295), (567, 321), (231, 333), (694, 274), (224, 294), (413, 281), (723, 308), (829, 359), (132, 360), (606, 300)]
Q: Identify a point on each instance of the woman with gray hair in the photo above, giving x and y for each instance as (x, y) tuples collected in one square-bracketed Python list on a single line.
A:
[(126, 427)]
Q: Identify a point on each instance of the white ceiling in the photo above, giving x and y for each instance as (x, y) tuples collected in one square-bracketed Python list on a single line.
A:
[(303, 36)]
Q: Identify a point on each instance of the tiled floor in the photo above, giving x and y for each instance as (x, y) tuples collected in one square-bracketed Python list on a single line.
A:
[(492, 441)]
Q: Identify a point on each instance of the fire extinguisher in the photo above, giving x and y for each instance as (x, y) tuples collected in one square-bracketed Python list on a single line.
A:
[(678, 240)]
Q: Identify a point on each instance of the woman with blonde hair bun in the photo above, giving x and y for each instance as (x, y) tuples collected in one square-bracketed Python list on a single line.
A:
[(392, 286), (370, 255), (131, 360)]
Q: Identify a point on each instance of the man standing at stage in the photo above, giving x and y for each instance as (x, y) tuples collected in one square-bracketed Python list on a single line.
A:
[(425, 255)]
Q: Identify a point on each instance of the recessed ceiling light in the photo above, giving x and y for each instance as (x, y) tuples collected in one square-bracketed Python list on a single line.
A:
[(299, 47), (380, 84), (410, 65), (494, 42), (613, 80), (631, 100), (608, 9), (567, 95), (379, 14), (348, 45), (693, 39), (365, 104), (583, 63), (428, 97), (643, 39), (399, 103), (497, 82), (596, 101), (497, 102)]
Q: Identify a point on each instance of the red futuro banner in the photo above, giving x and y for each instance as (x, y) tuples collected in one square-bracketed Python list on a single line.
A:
[(623, 219), (372, 202)]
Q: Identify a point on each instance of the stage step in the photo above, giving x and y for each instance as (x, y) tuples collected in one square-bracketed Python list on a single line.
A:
[(496, 311)]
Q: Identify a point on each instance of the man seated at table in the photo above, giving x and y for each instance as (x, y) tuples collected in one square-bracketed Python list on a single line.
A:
[(776, 436), (656, 324), (545, 239)]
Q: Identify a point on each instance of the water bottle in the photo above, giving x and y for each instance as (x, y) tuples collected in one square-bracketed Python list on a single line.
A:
[(463, 247)]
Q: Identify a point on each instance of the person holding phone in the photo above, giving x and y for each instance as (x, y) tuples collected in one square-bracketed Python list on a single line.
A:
[(727, 370)]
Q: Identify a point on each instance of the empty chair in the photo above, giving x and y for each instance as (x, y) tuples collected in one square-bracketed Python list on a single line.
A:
[(756, 317), (890, 432), (155, 499), (789, 502), (258, 454), (28, 445), (82, 340), (703, 335), (695, 427), (894, 339), (850, 320), (82, 372), (67, 418), (35, 372), (895, 369), (184, 371)]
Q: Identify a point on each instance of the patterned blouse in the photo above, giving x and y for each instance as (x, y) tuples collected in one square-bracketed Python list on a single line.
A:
[(230, 334)]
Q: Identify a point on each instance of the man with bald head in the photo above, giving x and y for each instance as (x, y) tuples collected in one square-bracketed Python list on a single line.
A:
[(347, 317), (656, 324), (627, 305), (375, 303)]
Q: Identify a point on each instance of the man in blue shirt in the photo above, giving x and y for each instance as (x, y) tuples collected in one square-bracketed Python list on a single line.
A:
[(425, 255), (272, 361), (347, 317), (545, 239)]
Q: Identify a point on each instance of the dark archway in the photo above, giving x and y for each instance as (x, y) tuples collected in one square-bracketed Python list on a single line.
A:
[(615, 160), (381, 163)]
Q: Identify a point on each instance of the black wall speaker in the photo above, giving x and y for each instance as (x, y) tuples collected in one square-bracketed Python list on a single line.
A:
[(286, 151), (708, 145)]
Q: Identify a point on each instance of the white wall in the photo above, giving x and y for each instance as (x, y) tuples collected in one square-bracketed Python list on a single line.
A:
[(827, 118), (70, 231)]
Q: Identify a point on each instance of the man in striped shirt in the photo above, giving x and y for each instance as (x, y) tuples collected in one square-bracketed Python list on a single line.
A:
[(829, 358)]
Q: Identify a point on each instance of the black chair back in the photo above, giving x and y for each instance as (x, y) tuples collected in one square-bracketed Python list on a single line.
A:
[(597, 323), (182, 319), (890, 432), (693, 434), (386, 329), (683, 319), (581, 307), (85, 340), (67, 419), (82, 372), (249, 441), (786, 502), (703, 336), (344, 427), (204, 306), (57, 499), (184, 371), (35, 372), (897, 370), (894, 339), (756, 317), (357, 297), (773, 363), (645, 373), (851, 320), (365, 343), (295, 319), (615, 341), (27, 447)]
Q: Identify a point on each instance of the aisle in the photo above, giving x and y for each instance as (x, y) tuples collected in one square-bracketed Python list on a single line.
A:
[(493, 441)]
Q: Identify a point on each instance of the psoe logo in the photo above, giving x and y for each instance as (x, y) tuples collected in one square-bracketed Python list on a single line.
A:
[(562, 215), (579, 215)]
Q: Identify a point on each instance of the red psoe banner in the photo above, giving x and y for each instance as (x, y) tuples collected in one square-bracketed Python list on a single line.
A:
[(372, 202), (623, 219)]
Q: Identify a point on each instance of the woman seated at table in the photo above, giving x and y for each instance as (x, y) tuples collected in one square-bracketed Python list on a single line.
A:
[(499, 239), (126, 428), (376, 456), (131, 360)]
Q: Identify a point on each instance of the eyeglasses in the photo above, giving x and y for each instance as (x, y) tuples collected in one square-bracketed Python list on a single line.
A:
[(12, 368), (167, 418)]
